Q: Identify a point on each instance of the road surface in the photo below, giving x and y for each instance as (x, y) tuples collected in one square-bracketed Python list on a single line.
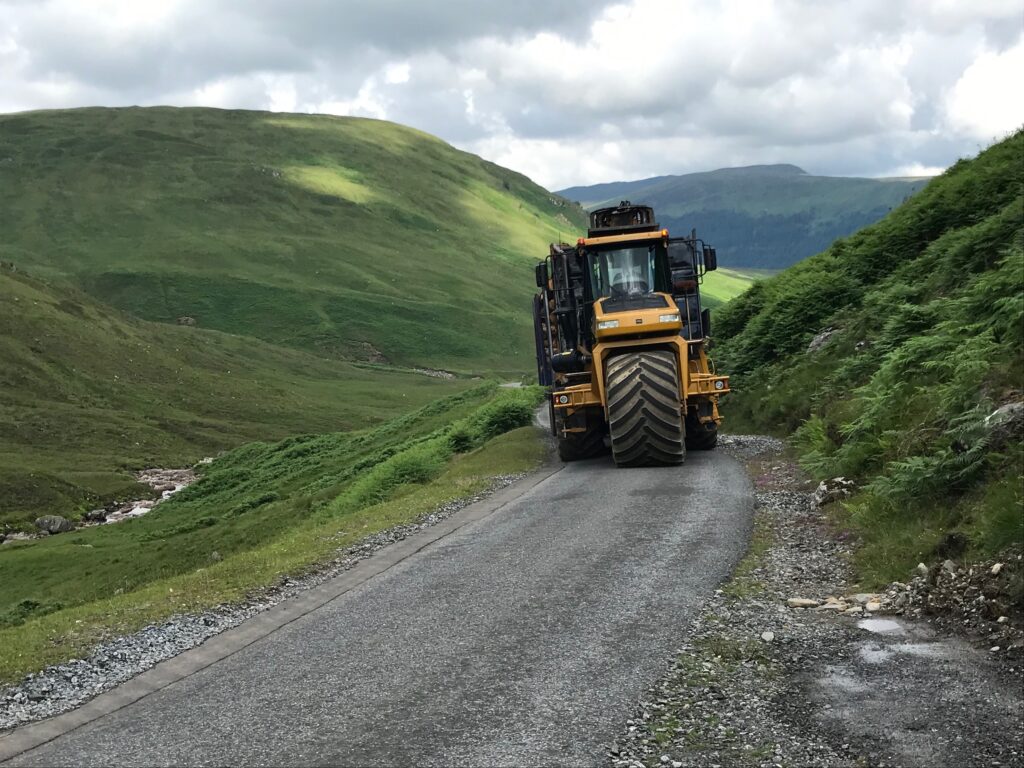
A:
[(521, 631)]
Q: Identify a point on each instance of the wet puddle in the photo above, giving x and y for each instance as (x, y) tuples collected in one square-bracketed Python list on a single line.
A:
[(882, 626)]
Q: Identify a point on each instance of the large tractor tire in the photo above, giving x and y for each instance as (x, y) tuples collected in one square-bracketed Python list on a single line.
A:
[(700, 437), (645, 423)]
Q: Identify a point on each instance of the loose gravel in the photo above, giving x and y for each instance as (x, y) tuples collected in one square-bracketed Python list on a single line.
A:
[(758, 682), (61, 687)]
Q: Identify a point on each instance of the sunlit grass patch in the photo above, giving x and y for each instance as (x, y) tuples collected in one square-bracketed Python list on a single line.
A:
[(335, 181)]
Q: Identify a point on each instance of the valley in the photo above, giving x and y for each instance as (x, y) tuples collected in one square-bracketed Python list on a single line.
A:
[(336, 311)]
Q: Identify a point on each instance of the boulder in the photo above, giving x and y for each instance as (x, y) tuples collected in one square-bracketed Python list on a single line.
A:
[(1006, 424), (95, 516), (54, 524), (186, 320)]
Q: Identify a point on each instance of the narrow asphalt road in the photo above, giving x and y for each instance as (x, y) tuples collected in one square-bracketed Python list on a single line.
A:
[(523, 637)]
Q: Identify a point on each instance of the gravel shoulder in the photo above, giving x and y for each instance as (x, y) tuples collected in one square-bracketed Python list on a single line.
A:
[(843, 682)]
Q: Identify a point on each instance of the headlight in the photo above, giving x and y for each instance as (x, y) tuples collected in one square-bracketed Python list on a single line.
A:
[(719, 384), (669, 318), (604, 324)]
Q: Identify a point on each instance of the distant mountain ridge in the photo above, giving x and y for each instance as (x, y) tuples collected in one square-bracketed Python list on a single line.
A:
[(764, 216)]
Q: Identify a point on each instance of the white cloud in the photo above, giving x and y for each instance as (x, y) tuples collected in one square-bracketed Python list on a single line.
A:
[(397, 73), (985, 103)]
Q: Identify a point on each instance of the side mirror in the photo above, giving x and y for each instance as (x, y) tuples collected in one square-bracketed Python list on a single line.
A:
[(541, 272), (705, 322), (710, 259)]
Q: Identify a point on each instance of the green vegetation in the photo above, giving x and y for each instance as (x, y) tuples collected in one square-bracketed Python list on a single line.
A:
[(723, 285), (348, 237), (88, 394), (768, 216), (929, 310), (257, 513), (311, 262)]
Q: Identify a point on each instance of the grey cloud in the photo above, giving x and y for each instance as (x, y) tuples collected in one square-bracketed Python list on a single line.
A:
[(404, 27), (858, 89)]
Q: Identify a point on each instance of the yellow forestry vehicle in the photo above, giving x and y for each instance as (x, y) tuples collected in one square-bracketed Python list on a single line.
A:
[(621, 341)]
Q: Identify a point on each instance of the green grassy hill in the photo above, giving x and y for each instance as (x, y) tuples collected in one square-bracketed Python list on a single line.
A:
[(928, 309), (348, 237), (764, 216), (88, 393)]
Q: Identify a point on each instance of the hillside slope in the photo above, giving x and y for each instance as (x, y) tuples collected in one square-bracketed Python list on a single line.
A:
[(927, 309), (88, 393), (349, 237), (763, 216)]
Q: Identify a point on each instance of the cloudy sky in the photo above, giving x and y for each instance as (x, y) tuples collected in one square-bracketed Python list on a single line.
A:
[(566, 91)]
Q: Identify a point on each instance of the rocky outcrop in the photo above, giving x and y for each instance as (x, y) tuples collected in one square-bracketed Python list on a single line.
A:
[(54, 524), (821, 340)]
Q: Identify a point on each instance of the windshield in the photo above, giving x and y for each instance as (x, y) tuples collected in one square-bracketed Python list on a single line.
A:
[(622, 272)]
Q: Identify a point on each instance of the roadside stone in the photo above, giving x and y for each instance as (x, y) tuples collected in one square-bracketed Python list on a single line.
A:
[(996, 569), (802, 602), (863, 598), (53, 524), (873, 606), (768, 636), (832, 490)]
